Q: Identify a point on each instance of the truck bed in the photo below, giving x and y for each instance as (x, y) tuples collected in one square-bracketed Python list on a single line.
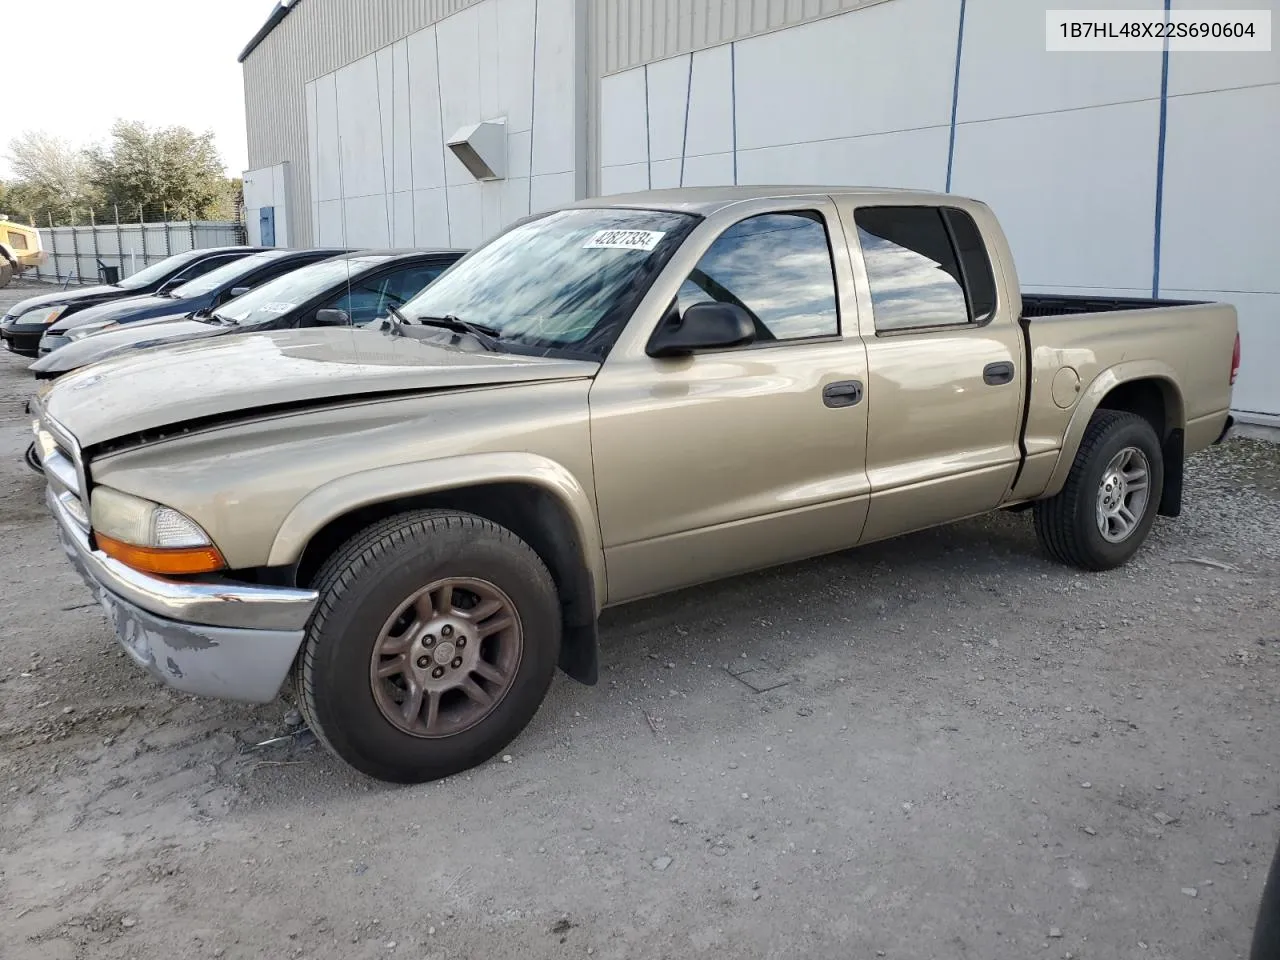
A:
[(1058, 304)]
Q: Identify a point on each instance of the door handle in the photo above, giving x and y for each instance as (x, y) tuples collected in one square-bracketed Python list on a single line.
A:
[(843, 393), (994, 374)]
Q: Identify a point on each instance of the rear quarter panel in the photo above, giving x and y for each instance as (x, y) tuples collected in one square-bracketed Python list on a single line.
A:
[(1077, 360)]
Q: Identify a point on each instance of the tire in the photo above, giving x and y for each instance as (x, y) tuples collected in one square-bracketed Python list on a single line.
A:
[(1266, 929), (1068, 525), (363, 585), (7, 272)]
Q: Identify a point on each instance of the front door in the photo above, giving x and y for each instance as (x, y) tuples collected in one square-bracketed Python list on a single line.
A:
[(735, 459)]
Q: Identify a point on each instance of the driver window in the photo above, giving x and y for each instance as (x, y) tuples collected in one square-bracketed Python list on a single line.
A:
[(197, 269), (363, 302), (368, 301), (404, 285), (777, 266)]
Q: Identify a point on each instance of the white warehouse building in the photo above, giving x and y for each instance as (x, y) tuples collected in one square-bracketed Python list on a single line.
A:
[(438, 122)]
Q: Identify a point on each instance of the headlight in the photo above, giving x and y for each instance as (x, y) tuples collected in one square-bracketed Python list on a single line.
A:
[(149, 536), (45, 315), (87, 329)]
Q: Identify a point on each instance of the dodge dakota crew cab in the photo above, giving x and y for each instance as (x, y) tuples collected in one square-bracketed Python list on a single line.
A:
[(611, 400)]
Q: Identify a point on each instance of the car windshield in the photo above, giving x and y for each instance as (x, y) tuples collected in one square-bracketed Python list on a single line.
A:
[(158, 271), (267, 302), (562, 283), (222, 276)]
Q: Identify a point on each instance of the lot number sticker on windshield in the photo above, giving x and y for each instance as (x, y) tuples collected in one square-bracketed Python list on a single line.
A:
[(624, 240), (277, 306)]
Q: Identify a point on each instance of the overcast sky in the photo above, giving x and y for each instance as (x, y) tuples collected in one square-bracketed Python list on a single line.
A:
[(73, 66)]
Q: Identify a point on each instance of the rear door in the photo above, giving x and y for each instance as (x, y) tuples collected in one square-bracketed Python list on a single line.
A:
[(946, 367), (735, 459)]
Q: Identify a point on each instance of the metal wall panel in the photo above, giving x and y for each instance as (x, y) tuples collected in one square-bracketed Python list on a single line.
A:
[(316, 38), (632, 32)]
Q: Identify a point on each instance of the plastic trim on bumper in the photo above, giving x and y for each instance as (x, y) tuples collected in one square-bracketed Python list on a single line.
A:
[(224, 662), (207, 604)]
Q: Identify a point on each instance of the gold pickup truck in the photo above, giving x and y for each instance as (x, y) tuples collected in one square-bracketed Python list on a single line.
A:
[(604, 402)]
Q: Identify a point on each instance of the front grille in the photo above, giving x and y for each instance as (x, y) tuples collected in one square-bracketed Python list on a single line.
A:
[(60, 457)]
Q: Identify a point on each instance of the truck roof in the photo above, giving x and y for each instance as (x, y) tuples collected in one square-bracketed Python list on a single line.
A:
[(707, 200)]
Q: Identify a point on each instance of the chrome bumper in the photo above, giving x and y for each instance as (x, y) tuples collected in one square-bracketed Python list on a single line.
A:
[(215, 640)]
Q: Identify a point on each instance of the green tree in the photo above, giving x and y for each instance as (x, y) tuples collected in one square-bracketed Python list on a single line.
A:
[(50, 177), (170, 169), (232, 200)]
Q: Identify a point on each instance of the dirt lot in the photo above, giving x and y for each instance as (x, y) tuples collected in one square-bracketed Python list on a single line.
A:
[(972, 753)]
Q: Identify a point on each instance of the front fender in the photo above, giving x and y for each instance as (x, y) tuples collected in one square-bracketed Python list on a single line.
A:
[(345, 494), (1101, 385)]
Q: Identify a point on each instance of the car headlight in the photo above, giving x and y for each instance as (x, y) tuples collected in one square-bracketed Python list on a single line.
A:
[(88, 329), (149, 536), (45, 315)]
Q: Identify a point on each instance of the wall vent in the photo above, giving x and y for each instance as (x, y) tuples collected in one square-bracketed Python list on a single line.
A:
[(482, 148)]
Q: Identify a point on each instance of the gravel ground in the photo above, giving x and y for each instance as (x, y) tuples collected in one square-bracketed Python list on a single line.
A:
[(969, 753)]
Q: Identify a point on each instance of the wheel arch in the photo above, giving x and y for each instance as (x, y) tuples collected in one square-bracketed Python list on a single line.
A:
[(537, 499), (1148, 388)]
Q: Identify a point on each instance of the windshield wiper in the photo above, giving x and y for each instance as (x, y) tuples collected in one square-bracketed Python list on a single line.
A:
[(488, 336)]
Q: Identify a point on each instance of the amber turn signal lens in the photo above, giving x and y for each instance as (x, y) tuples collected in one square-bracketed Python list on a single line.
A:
[(166, 561)]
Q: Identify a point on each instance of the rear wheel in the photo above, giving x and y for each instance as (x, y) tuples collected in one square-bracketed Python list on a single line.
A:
[(433, 645), (1109, 503), (6, 272)]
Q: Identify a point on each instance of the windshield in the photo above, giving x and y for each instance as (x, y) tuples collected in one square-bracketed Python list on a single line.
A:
[(267, 302), (565, 282), (223, 275), (158, 271)]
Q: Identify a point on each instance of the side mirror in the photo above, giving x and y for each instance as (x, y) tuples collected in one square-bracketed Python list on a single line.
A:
[(332, 318), (239, 292), (704, 326)]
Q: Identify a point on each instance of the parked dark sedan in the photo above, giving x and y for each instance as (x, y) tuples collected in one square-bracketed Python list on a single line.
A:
[(355, 289), (28, 320), (197, 296)]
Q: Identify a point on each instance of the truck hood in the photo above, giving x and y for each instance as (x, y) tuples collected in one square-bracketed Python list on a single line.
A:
[(150, 332), (128, 310), (84, 295), (244, 375)]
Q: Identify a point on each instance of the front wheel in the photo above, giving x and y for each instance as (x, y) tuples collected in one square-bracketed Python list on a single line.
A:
[(434, 643), (1109, 502)]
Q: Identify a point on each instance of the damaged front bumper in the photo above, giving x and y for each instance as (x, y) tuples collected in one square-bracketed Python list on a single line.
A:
[(216, 640)]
